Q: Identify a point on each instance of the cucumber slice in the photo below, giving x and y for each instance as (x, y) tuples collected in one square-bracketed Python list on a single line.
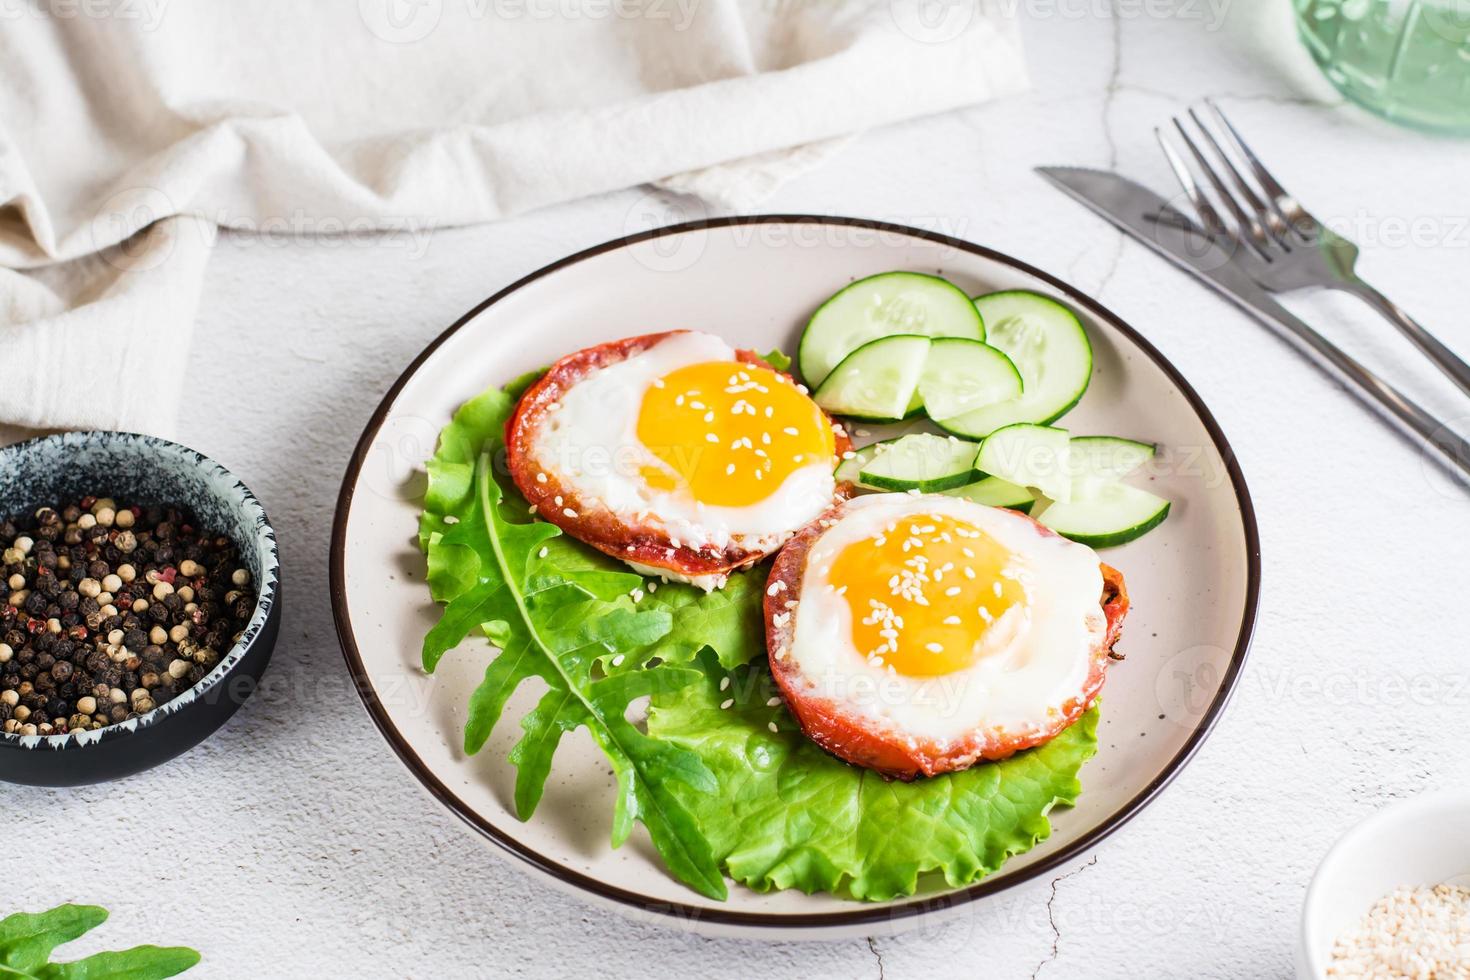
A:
[(962, 375), (881, 306), (1106, 515), (1046, 342), (922, 462), (877, 381), (995, 492), (1107, 459), (1029, 455), (916, 404), (851, 470)]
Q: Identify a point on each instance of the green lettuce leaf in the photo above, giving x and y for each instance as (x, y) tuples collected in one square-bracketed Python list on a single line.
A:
[(27, 940), (788, 815)]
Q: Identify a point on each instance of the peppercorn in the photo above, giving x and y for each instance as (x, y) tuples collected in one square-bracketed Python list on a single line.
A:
[(97, 623)]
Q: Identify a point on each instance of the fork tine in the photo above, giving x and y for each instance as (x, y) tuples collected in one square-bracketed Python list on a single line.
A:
[(1209, 217), (1295, 216), (1247, 231), (1265, 214)]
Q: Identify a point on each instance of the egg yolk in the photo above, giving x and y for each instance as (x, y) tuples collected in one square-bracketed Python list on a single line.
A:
[(930, 595), (730, 432)]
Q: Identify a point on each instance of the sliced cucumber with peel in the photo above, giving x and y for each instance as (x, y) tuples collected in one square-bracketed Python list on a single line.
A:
[(1103, 515), (1046, 342), (963, 375), (920, 461), (877, 381), (1031, 456), (1108, 458), (884, 305), (992, 491), (850, 470)]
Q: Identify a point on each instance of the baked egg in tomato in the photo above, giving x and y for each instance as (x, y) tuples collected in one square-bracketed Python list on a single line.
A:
[(675, 453), (916, 635)]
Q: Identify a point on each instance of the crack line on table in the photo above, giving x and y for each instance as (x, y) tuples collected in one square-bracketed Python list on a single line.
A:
[(877, 955), (1056, 932)]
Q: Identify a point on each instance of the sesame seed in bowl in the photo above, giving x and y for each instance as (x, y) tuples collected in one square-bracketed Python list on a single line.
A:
[(1392, 898)]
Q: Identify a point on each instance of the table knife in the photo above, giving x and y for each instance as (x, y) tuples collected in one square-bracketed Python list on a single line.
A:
[(1149, 218)]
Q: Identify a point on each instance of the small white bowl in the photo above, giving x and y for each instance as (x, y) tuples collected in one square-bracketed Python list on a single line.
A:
[(1423, 841)]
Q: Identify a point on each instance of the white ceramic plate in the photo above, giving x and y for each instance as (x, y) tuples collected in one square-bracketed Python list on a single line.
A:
[(1194, 581)]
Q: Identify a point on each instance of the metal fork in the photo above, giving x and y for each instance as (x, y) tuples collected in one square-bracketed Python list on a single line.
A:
[(1276, 241)]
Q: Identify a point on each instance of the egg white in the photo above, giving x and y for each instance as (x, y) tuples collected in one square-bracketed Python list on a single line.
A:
[(590, 443), (1018, 688)]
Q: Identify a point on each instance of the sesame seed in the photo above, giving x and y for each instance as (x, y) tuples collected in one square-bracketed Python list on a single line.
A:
[(540, 477), (725, 682), (711, 437), (652, 586), (618, 660), (542, 553), (450, 519), (934, 647), (791, 430), (772, 702), (725, 704), (569, 512), (772, 726)]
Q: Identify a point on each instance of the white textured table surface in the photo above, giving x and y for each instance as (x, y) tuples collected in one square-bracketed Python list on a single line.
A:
[(314, 851)]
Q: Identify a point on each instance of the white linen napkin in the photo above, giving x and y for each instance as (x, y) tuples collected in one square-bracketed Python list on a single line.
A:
[(131, 129)]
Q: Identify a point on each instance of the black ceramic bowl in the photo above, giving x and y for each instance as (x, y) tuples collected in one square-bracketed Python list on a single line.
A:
[(145, 470)]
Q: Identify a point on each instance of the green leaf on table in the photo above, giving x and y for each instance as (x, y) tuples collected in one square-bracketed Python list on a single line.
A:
[(788, 815), (138, 963), (27, 940)]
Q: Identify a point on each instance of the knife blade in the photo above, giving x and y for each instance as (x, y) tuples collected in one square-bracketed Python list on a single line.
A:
[(1150, 219)]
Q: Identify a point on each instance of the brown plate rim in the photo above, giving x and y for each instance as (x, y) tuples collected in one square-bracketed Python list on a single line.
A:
[(859, 914)]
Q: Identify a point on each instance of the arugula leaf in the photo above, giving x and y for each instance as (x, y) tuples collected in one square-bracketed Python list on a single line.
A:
[(788, 815), (777, 359), (727, 620), (27, 940), (556, 625)]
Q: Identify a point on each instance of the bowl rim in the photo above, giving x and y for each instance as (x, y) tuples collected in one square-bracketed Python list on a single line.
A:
[(1369, 827), (862, 913), (266, 597)]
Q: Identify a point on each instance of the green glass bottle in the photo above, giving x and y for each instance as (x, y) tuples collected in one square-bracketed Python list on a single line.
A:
[(1407, 60)]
